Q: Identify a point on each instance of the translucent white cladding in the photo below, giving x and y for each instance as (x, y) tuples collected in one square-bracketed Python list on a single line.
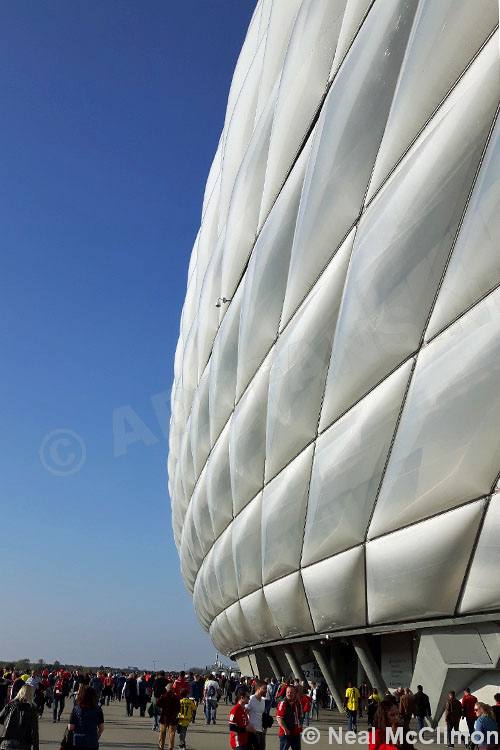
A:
[(223, 369), (224, 566), (447, 448), (239, 132), (259, 617), (208, 313), (335, 590), (439, 46), (242, 635), (200, 425), (246, 548), (201, 515), (219, 495), (482, 590), (474, 267), (288, 605), (247, 443), (186, 465), (265, 279), (245, 59), (404, 238), (216, 597), (243, 214), (221, 634), (348, 135), (283, 514), (348, 465), (190, 550), (303, 83), (200, 601), (282, 18), (405, 570), (354, 14), (298, 372)]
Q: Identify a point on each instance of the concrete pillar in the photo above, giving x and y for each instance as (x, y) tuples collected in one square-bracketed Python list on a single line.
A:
[(274, 664), (294, 664), (332, 683), (368, 662)]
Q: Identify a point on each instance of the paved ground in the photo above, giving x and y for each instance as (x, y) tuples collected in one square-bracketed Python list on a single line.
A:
[(122, 732)]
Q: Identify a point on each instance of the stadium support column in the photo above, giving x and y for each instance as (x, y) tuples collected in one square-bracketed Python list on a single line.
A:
[(274, 664), (328, 675), (294, 664), (368, 663)]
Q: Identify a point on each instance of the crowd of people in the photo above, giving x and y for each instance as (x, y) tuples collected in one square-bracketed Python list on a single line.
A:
[(172, 700)]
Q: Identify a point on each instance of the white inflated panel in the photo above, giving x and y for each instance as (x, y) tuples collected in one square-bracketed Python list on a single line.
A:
[(302, 85), (346, 143), (284, 505), (348, 465), (299, 367), (404, 238), (447, 449), (482, 590), (335, 590), (414, 589)]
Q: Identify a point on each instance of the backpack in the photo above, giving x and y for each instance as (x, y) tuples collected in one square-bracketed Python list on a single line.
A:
[(212, 692), (18, 722)]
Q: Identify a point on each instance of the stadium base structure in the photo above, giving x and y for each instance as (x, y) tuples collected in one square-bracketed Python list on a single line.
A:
[(439, 657)]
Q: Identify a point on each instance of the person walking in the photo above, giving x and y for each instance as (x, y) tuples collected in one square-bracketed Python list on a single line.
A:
[(364, 692), (211, 698), (108, 689), (452, 715), (468, 705), (373, 700), (61, 691), (239, 721), (169, 705), (256, 707), (289, 718), (196, 692), (131, 695), (159, 685), (185, 716), (485, 726), (86, 721), (406, 708), (351, 704), (422, 707), (496, 709), (314, 694), (20, 720)]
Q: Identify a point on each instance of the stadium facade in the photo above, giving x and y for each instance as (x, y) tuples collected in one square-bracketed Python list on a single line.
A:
[(335, 432)]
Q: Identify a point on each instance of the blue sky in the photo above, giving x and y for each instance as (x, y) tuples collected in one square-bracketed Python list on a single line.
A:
[(111, 113)]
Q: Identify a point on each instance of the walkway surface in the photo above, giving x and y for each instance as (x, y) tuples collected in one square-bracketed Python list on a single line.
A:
[(122, 732)]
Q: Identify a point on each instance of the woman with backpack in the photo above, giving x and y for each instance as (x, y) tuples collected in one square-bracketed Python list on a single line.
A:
[(20, 720), (86, 721)]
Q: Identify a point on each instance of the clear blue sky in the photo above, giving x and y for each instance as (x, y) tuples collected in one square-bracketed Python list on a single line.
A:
[(111, 113)]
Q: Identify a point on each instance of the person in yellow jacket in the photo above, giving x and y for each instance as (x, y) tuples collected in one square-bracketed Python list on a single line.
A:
[(351, 705), (185, 716)]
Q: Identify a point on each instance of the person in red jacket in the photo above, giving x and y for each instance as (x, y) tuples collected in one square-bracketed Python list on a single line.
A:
[(289, 718), (468, 703), (239, 721), (306, 703), (386, 717)]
